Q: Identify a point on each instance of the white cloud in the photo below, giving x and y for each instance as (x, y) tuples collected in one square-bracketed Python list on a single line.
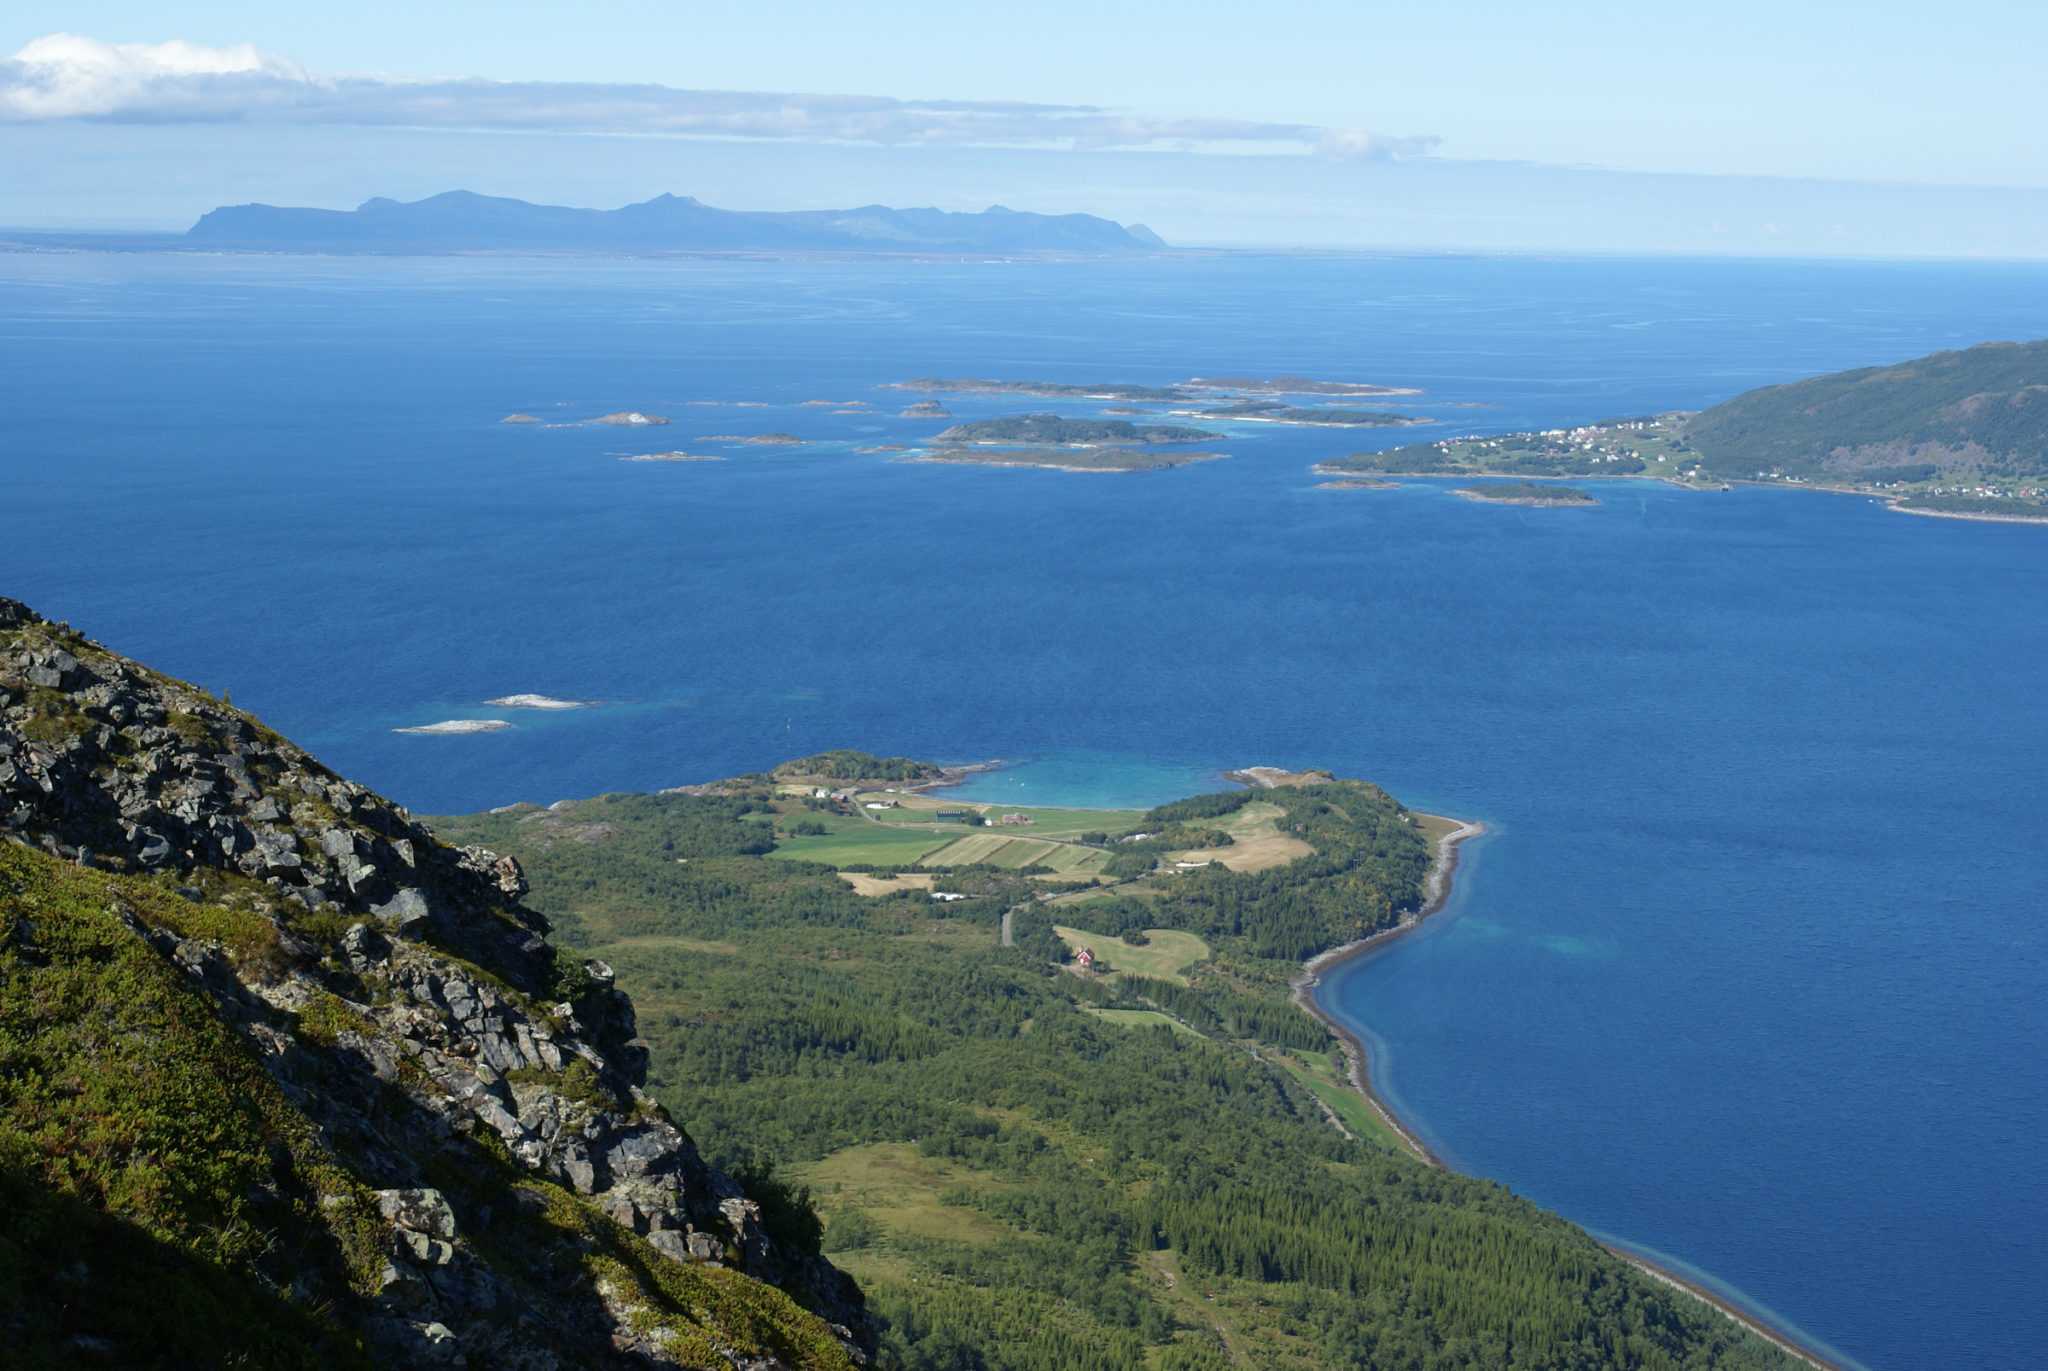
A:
[(64, 76), (1363, 145)]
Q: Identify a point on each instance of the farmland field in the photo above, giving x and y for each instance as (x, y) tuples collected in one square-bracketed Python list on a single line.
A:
[(1162, 957), (1070, 823), (1258, 844), (861, 842)]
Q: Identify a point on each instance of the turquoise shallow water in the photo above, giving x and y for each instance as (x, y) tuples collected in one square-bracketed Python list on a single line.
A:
[(1750, 970)]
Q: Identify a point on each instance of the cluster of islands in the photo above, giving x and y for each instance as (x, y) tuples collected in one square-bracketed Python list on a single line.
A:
[(1960, 434)]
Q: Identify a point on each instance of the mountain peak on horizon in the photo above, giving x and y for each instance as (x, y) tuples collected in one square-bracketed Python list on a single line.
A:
[(467, 221)]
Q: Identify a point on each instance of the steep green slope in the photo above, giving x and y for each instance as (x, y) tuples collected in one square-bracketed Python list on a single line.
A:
[(1022, 1174), (287, 1081), (1984, 408), (1952, 433)]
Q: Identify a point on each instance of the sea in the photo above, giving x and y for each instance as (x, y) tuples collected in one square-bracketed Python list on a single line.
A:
[(1750, 971)]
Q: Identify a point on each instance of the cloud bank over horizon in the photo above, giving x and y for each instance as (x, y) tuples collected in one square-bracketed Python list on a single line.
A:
[(65, 76)]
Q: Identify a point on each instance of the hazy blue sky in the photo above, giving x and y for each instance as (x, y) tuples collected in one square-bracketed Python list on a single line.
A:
[(1881, 91)]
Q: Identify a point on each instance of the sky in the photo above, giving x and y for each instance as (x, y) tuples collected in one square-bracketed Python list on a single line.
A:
[(1293, 122)]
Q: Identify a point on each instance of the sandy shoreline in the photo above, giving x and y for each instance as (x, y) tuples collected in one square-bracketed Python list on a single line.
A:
[(1436, 896)]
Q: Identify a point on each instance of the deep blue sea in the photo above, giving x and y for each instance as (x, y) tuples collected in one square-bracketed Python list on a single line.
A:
[(1750, 973)]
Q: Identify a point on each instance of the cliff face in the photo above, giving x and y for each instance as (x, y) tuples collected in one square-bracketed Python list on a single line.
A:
[(332, 1072)]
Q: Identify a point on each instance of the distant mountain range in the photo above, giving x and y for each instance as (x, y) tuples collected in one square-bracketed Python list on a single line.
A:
[(460, 221)]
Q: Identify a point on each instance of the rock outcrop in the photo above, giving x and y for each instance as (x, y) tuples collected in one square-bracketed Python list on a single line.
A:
[(405, 1001)]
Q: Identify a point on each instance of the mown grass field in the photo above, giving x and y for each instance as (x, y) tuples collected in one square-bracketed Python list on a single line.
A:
[(1141, 1018), (861, 841), (1258, 844), (876, 885), (1347, 1104), (1067, 824), (1167, 954)]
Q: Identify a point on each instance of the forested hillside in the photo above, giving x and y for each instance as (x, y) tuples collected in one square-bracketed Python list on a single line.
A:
[(1030, 1169), (1953, 433), (1984, 408)]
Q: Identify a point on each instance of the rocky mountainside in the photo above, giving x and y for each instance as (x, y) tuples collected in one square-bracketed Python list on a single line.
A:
[(285, 1080)]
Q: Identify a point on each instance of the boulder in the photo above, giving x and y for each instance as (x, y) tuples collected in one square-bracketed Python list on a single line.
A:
[(404, 912)]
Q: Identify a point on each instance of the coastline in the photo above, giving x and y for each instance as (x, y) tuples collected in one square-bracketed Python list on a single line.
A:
[(1437, 894), (1435, 897), (1898, 508), (1895, 503)]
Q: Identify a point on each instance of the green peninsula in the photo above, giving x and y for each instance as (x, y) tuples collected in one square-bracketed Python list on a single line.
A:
[(1048, 429), (863, 1076), (1148, 1159), (1961, 433)]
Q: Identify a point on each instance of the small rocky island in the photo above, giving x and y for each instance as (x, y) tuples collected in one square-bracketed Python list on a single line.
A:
[(631, 418), (1066, 459), (1524, 493), (1050, 429), (458, 726), (1050, 390), (1273, 412), (1296, 385), (1358, 483)]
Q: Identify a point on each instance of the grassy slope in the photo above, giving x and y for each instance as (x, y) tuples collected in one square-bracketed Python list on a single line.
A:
[(1994, 397), (1956, 432), (1165, 954), (149, 1163), (163, 1203)]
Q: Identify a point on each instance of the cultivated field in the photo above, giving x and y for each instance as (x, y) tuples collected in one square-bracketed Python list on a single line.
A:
[(856, 840), (864, 884)]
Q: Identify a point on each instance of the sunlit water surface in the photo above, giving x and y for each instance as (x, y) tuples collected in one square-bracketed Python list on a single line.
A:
[(1749, 972)]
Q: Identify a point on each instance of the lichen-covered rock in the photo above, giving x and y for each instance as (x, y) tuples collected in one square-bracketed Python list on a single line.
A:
[(487, 1095)]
